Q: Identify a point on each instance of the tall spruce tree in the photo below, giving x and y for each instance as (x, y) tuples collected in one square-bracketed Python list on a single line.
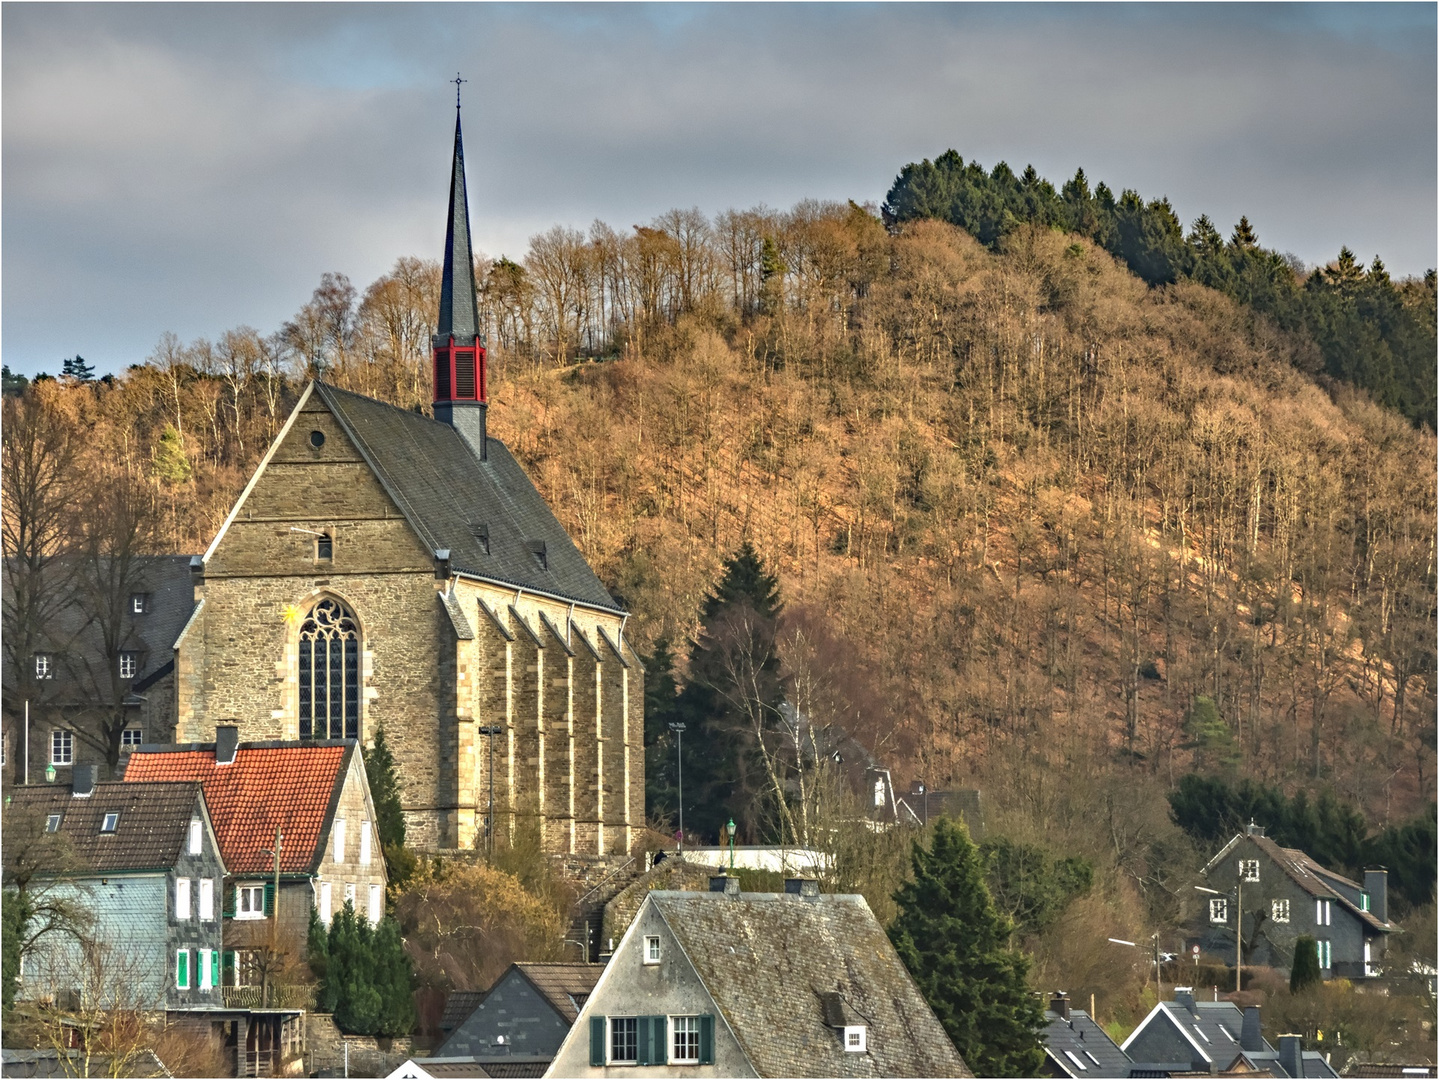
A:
[(389, 814), (661, 710), (1305, 972), (955, 944), (366, 980)]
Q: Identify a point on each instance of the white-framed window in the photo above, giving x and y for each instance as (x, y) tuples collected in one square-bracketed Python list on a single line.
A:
[(377, 905), (52, 823), (325, 902), (182, 969), (1363, 897), (182, 898), (856, 1040), (1248, 869), (1279, 910), (110, 823), (684, 1040), (207, 968), (652, 950), (249, 901), (1323, 913), (1068, 1053), (339, 840), (879, 793), (1369, 968), (624, 1040), (139, 603), (1326, 954), (1218, 910), (207, 900), (131, 739), (129, 664), (44, 665), (350, 894), (62, 748), (364, 843), (197, 836)]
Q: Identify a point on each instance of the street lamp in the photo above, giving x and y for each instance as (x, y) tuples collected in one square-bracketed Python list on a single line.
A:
[(731, 845), (679, 730), (1158, 970), (1238, 927), (490, 730)]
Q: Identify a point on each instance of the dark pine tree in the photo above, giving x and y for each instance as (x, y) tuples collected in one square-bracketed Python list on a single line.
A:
[(366, 979), (661, 710), (955, 944), (76, 367), (1305, 972), (389, 815)]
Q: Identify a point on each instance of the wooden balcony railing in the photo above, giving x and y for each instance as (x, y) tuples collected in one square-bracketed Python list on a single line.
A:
[(278, 996)]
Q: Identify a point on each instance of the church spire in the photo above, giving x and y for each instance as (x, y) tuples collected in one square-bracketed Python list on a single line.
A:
[(461, 390)]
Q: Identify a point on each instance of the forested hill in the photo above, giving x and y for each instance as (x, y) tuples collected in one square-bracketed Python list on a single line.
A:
[(1353, 323)]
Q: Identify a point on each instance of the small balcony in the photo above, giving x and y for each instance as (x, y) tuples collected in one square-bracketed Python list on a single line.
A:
[(277, 996)]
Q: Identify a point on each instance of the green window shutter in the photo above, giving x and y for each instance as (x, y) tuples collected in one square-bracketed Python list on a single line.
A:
[(182, 969), (707, 1040), (597, 1041), (269, 898), (642, 1041), (659, 1052)]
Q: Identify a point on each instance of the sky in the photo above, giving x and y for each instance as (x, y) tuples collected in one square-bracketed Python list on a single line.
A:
[(193, 168)]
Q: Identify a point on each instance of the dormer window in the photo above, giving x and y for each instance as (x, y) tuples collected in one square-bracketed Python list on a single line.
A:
[(324, 547), (139, 603), (129, 664), (856, 1038), (537, 549), (481, 533), (110, 822), (44, 665)]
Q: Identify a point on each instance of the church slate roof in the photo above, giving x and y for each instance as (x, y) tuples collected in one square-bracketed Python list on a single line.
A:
[(290, 786), (457, 502)]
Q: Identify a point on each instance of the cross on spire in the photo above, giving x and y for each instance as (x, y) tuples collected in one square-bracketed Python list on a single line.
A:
[(457, 80)]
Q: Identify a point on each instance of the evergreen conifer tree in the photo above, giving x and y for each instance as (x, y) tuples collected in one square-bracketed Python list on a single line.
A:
[(76, 368), (389, 814), (169, 463), (955, 944), (661, 709), (1305, 972), (366, 979)]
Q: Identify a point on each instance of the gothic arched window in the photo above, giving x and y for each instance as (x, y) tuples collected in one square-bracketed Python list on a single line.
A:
[(329, 673)]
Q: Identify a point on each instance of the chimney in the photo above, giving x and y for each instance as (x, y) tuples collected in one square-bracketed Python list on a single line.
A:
[(197, 569), (227, 741), (1291, 1055), (798, 886), (82, 781), (723, 883), (1059, 1004), (1376, 884), (1184, 996), (1251, 1037)]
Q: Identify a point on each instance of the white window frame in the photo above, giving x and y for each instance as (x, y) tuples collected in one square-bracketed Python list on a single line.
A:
[(1323, 913), (339, 845), (364, 843), (1369, 967), (376, 904), (182, 899), (207, 969), (1248, 869), (138, 603), (129, 664), (207, 900), (325, 897), (62, 747), (610, 1059), (652, 950), (1363, 897), (131, 739), (1325, 949), (691, 1034), (1218, 909), (245, 894), (1069, 1054), (52, 822), (44, 665), (856, 1040), (110, 822), (197, 837), (1279, 910), (350, 895)]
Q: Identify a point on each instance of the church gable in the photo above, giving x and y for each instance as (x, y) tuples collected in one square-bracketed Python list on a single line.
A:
[(313, 506)]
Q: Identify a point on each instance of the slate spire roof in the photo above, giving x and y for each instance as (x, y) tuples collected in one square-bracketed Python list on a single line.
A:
[(459, 312)]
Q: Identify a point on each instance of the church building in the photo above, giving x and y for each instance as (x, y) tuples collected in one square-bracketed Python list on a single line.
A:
[(382, 568)]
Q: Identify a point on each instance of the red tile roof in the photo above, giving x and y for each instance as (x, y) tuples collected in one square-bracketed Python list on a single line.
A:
[(290, 787)]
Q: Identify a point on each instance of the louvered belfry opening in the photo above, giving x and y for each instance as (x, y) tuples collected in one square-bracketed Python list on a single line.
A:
[(465, 374), (442, 375), (329, 673)]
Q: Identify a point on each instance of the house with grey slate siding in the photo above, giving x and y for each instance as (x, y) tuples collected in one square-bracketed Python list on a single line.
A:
[(142, 862), (725, 983), (1188, 1035), (1280, 894)]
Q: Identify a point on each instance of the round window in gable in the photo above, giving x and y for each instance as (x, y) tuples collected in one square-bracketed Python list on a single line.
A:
[(317, 439)]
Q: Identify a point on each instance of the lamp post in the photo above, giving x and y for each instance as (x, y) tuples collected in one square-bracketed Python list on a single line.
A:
[(490, 731), (1158, 970), (731, 845), (679, 730), (1238, 928)]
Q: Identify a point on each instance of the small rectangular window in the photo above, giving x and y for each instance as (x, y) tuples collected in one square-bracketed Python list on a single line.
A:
[(350, 894), (182, 969), (1219, 910), (325, 902), (207, 900), (1074, 1058), (1249, 869), (624, 1040), (182, 899), (207, 969), (377, 905), (44, 665), (52, 823), (112, 820), (685, 1043), (129, 664), (139, 603), (1323, 912), (1326, 956), (324, 548), (1363, 897), (1279, 910), (131, 739), (364, 843), (62, 748), (339, 840), (652, 950), (250, 902), (197, 836)]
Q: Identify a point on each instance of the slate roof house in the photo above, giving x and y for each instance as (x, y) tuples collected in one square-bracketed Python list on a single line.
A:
[(724, 983), (317, 798), (1286, 894), (524, 1017), (385, 568), (1187, 1035), (91, 661), (143, 861), (1076, 1046)]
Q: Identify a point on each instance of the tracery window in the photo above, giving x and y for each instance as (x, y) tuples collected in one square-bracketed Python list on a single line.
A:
[(329, 673)]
